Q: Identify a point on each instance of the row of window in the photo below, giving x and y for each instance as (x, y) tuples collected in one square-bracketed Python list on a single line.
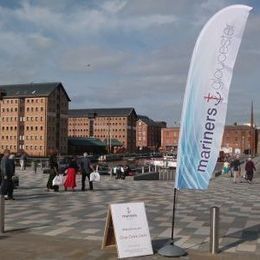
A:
[(96, 129), (28, 128), (22, 119), (96, 124), (27, 147), (28, 109), (21, 137), (34, 100), (11, 128), (98, 119), (28, 100), (99, 136)]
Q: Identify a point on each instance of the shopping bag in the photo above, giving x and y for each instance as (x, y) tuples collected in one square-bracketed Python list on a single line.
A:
[(94, 176), (58, 180)]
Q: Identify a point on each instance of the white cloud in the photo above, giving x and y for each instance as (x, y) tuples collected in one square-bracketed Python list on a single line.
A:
[(84, 20), (113, 6), (40, 41)]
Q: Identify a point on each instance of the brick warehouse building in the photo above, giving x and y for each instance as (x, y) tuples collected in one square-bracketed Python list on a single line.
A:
[(236, 138), (106, 124), (148, 133), (34, 118)]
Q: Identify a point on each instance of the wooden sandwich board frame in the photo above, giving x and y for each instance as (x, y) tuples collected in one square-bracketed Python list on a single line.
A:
[(109, 239), (135, 232)]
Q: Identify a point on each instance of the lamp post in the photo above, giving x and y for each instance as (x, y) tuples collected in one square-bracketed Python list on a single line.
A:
[(243, 144), (2, 199), (109, 135)]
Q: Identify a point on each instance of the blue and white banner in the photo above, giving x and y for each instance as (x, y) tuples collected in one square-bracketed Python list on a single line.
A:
[(206, 96)]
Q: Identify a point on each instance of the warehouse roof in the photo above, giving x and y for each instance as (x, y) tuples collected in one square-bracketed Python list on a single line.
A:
[(147, 120), (31, 89), (102, 112)]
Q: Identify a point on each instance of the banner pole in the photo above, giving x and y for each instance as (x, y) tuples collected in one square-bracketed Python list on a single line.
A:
[(171, 250), (173, 214)]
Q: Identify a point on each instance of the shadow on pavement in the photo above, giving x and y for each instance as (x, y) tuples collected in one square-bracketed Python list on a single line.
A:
[(24, 229), (3, 237), (29, 188), (243, 235), (35, 196), (157, 244)]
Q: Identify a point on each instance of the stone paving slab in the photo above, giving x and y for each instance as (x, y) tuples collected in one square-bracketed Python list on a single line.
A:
[(81, 215)]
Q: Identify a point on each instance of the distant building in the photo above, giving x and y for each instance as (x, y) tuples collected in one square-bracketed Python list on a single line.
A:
[(107, 124), (236, 139), (169, 139), (148, 133), (34, 118)]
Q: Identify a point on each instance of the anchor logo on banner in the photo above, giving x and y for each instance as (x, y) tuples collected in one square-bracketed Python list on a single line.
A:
[(217, 98)]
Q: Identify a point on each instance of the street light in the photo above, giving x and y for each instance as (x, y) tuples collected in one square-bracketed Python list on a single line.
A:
[(2, 199), (109, 135), (243, 144)]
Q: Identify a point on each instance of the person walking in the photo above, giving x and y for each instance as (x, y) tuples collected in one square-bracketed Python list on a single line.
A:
[(250, 168), (53, 164), (34, 166), (71, 173), (226, 167), (236, 169), (118, 172), (86, 168), (7, 171), (122, 170), (23, 161)]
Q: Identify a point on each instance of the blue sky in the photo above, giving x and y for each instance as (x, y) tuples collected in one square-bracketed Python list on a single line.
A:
[(122, 53)]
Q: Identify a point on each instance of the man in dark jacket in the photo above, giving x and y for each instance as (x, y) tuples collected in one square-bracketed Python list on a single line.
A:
[(250, 168), (237, 169), (53, 164), (86, 168), (7, 174)]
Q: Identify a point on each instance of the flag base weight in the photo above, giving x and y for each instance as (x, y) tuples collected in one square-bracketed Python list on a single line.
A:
[(171, 250)]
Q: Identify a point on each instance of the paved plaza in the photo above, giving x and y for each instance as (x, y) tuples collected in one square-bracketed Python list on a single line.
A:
[(78, 218)]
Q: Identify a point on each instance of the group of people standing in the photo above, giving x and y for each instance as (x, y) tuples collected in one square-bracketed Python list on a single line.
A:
[(234, 168), (84, 166)]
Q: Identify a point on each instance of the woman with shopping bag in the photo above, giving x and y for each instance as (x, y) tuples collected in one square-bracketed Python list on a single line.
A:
[(71, 172)]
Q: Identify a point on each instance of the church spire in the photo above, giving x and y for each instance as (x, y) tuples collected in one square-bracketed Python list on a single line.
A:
[(252, 131)]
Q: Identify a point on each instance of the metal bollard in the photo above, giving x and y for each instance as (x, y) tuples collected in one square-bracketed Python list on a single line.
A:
[(214, 230), (160, 175), (142, 169), (164, 175), (168, 175), (2, 214)]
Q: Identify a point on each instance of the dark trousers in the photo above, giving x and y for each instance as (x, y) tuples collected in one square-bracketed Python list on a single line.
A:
[(249, 175), (49, 182), (7, 188), (83, 180)]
